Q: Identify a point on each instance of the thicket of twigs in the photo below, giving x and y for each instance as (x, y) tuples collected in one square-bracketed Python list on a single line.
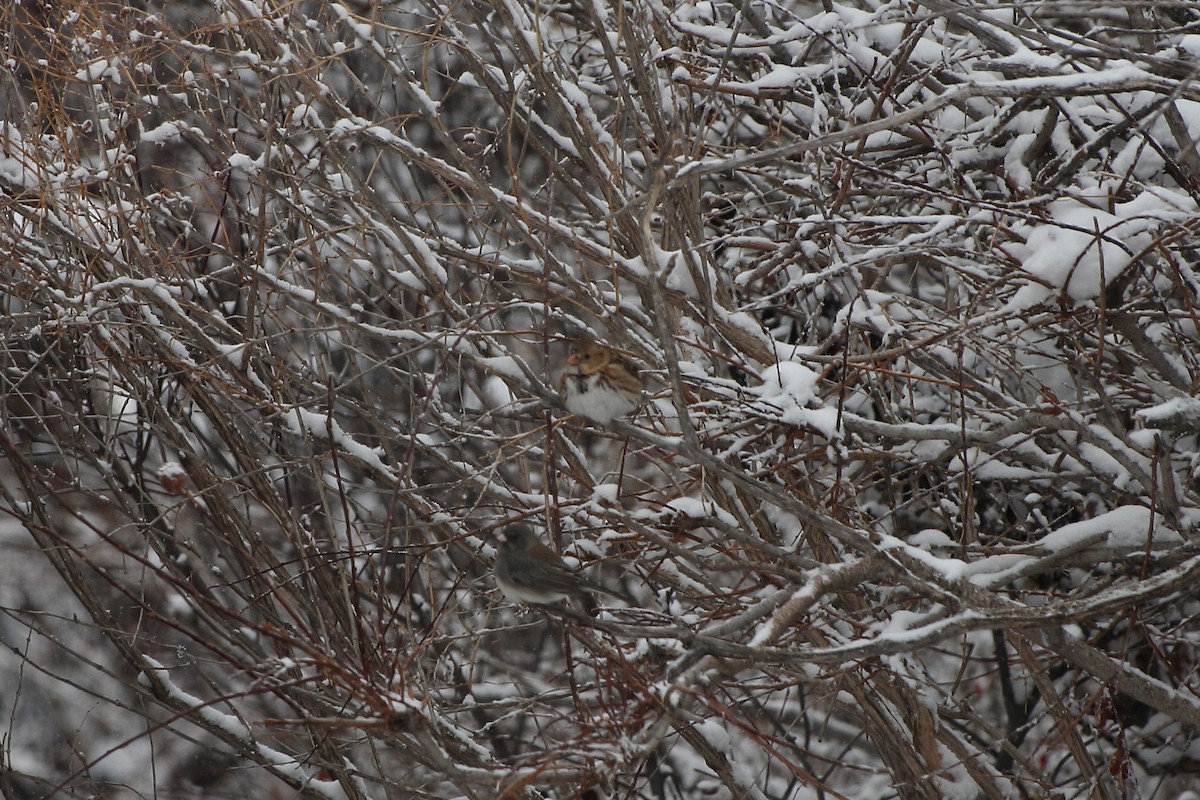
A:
[(910, 511)]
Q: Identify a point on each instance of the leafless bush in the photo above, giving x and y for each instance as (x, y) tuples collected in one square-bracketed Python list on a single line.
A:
[(910, 510)]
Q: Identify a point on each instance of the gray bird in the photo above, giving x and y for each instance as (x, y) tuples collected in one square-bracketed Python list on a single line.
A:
[(528, 571)]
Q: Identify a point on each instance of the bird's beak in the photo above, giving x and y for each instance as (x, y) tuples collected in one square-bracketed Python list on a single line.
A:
[(573, 360)]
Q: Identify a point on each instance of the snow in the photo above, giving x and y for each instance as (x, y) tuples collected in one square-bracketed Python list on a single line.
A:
[(324, 428), (246, 164), (606, 492), (362, 30), (496, 392), (715, 734), (164, 133), (876, 310), (931, 539), (14, 171), (237, 729), (98, 70), (1080, 251), (1176, 411), (951, 569), (1123, 526), (789, 391), (696, 508), (905, 323), (505, 366), (171, 470), (776, 624)]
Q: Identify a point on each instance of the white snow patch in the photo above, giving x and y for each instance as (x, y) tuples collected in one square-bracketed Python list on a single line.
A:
[(1125, 526), (931, 539), (164, 133), (791, 390), (1186, 409), (496, 393), (324, 427), (1081, 250), (99, 69), (952, 569)]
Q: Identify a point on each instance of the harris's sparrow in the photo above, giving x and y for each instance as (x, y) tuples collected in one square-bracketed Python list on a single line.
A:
[(599, 383)]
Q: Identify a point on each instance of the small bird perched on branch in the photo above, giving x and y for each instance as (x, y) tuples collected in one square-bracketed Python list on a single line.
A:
[(600, 383), (529, 572)]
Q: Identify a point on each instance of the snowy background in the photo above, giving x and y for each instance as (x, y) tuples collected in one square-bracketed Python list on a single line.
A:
[(910, 509)]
